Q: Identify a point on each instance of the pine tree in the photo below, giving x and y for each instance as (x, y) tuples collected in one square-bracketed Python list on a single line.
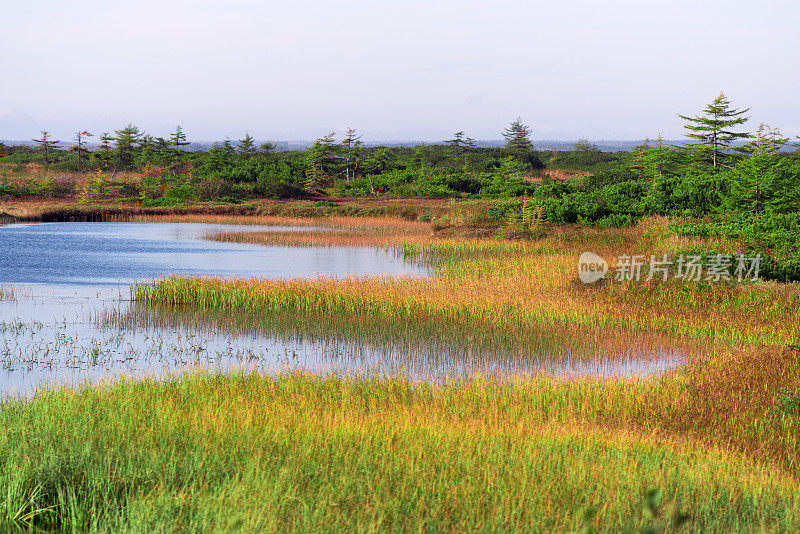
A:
[(178, 139), (220, 156), (46, 144), (351, 145), (653, 160), (80, 146), (517, 137), (382, 160), (105, 154), (713, 130), (764, 181), (319, 160), (105, 141), (457, 141), (147, 147), (127, 142), (163, 149), (584, 145), (247, 146)]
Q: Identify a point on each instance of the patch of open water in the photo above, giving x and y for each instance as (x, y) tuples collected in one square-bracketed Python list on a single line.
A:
[(66, 275)]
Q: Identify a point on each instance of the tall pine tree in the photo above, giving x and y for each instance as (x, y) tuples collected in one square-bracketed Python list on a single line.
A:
[(713, 131), (127, 140), (178, 139)]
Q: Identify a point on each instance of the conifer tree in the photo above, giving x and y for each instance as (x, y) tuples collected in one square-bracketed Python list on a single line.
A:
[(247, 146), (351, 145), (267, 148), (105, 154), (220, 156), (80, 146), (127, 142), (46, 144), (147, 147), (764, 181), (163, 149), (457, 141), (518, 137), (319, 159), (713, 130), (178, 139), (105, 141)]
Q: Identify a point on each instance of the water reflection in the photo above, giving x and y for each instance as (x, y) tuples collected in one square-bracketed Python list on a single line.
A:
[(72, 282)]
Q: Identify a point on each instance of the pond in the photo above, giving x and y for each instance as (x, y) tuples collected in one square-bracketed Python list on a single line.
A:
[(68, 276)]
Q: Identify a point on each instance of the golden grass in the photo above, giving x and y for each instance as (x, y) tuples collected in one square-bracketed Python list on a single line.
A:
[(306, 452), (302, 452), (500, 293), (534, 282)]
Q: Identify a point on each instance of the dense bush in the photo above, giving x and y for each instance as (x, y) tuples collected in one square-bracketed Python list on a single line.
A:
[(775, 236)]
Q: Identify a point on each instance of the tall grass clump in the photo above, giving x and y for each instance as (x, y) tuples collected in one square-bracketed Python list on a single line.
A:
[(300, 452), (7, 293)]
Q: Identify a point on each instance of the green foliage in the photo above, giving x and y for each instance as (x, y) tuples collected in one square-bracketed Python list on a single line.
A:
[(713, 131), (764, 181), (775, 236), (46, 145), (321, 161), (43, 188), (518, 137), (416, 183), (127, 142)]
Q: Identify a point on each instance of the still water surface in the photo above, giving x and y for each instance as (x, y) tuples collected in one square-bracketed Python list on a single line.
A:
[(67, 275)]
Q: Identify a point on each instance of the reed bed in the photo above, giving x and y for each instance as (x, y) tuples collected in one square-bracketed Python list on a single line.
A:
[(426, 351), (507, 291), (7, 292), (301, 452), (717, 440), (524, 296)]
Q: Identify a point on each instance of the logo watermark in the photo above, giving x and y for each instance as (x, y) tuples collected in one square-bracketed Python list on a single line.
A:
[(591, 268), (685, 267)]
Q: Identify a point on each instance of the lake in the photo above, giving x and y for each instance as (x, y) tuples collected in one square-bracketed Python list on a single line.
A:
[(68, 276)]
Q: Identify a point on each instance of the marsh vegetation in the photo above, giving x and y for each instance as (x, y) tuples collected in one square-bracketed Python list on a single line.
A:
[(322, 353)]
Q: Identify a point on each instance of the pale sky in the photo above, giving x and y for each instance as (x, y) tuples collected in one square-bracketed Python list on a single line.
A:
[(410, 70)]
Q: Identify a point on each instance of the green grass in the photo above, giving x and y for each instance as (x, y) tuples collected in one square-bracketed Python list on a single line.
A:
[(306, 453)]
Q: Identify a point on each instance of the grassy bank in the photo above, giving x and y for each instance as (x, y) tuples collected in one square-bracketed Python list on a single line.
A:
[(55, 210), (502, 286), (295, 451)]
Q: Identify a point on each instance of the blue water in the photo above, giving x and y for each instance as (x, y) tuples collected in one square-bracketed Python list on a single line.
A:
[(70, 277), (67, 275), (101, 254)]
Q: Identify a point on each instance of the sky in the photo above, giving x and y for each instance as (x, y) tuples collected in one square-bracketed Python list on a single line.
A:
[(396, 71)]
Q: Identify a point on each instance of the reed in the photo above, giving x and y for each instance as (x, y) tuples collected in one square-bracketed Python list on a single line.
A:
[(521, 299), (304, 452), (719, 437), (7, 292), (501, 287)]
